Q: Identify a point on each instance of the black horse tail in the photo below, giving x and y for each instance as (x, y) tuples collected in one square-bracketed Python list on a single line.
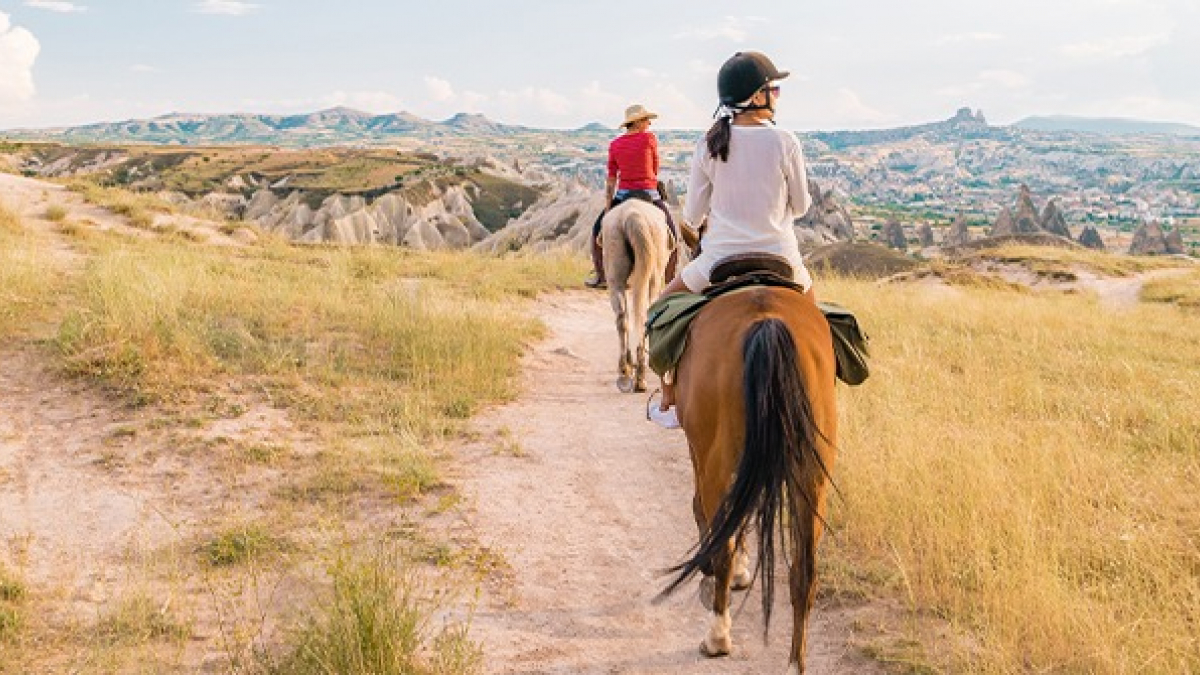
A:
[(779, 468)]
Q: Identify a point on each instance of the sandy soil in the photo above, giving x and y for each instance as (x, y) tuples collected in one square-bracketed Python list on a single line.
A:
[(588, 503)]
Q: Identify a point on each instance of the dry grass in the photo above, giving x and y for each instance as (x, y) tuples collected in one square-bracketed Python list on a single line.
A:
[(1182, 290), (375, 621), (12, 598), (382, 339), (1025, 467), (139, 208), (28, 274), (56, 213), (1048, 261)]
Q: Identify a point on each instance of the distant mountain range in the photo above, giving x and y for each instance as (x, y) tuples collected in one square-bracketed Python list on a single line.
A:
[(346, 126), (1110, 126), (325, 127)]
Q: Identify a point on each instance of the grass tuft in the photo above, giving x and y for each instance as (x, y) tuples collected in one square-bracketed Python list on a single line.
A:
[(139, 619), (373, 622), (55, 213), (238, 545)]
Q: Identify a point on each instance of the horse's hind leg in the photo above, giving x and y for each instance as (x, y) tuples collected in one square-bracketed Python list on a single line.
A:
[(719, 642), (715, 588), (617, 296), (640, 283), (802, 580)]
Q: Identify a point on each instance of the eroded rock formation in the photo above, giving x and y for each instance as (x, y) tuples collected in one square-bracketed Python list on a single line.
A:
[(826, 221), (959, 233), (1053, 221), (560, 221), (1090, 238), (1005, 224), (894, 237)]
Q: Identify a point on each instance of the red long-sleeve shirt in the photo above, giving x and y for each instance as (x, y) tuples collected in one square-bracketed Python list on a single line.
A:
[(633, 159)]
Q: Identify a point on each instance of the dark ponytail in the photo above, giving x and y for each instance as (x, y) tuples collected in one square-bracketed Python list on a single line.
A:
[(718, 138)]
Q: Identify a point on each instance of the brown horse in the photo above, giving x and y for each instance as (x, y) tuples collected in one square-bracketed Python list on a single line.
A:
[(637, 245), (755, 395)]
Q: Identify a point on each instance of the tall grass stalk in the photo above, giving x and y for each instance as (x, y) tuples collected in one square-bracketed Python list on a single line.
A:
[(1027, 466)]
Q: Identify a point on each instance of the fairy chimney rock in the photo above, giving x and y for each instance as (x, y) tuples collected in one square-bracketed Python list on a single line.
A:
[(1174, 242), (1090, 238), (925, 235), (1149, 239), (1005, 225), (1026, 218), (893, 236), (959, 233), (1053, 220)]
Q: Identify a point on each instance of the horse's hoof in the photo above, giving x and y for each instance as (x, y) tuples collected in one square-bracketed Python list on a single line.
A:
[(741, 581), (640, 387), (625, 384), (708, 592), (714, 651)]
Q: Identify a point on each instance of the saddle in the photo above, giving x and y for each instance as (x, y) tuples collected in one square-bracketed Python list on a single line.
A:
[(670, 317)]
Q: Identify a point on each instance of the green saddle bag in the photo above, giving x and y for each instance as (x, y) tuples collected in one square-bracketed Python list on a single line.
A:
[(851, 345), (670, 318)]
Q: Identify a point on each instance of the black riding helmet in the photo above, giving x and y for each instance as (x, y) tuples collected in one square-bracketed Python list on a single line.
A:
[(743, 74)]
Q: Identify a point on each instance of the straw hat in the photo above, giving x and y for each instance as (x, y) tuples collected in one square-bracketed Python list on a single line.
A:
[(637, 112)]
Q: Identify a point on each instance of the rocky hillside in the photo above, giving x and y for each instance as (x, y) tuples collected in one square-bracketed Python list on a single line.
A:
[(334, 195)]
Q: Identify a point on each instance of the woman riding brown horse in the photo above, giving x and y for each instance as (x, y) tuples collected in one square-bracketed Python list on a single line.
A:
[(754, 388)]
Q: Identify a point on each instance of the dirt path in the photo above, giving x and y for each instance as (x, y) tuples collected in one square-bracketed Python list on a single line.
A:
[(587, 502)]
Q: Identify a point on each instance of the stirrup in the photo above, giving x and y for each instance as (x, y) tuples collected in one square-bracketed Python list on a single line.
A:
[(666, 419)]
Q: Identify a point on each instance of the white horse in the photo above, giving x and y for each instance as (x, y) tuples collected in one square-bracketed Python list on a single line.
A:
[(637, 245)]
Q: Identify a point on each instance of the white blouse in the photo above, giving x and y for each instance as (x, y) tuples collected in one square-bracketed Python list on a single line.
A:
[(752, 199)]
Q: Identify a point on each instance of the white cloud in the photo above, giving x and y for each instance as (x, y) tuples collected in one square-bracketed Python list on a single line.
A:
[(18, 51), (439, 89), (60, 6), (227, 7), (1114, 48), (733, 28), (144, 68)]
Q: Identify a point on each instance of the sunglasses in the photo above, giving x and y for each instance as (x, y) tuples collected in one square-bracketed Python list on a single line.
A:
[(774, 89)]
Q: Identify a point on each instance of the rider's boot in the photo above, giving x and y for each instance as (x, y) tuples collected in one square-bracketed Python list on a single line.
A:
[(597, 278)]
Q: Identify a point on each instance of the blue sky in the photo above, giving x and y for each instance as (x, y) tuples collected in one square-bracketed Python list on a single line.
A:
[(564, 63)]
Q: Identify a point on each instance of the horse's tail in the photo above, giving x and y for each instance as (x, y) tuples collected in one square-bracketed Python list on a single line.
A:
[(780, 465), (640, 243)]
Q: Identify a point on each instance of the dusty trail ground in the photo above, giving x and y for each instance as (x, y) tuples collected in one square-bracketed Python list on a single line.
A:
[(588, 502)]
